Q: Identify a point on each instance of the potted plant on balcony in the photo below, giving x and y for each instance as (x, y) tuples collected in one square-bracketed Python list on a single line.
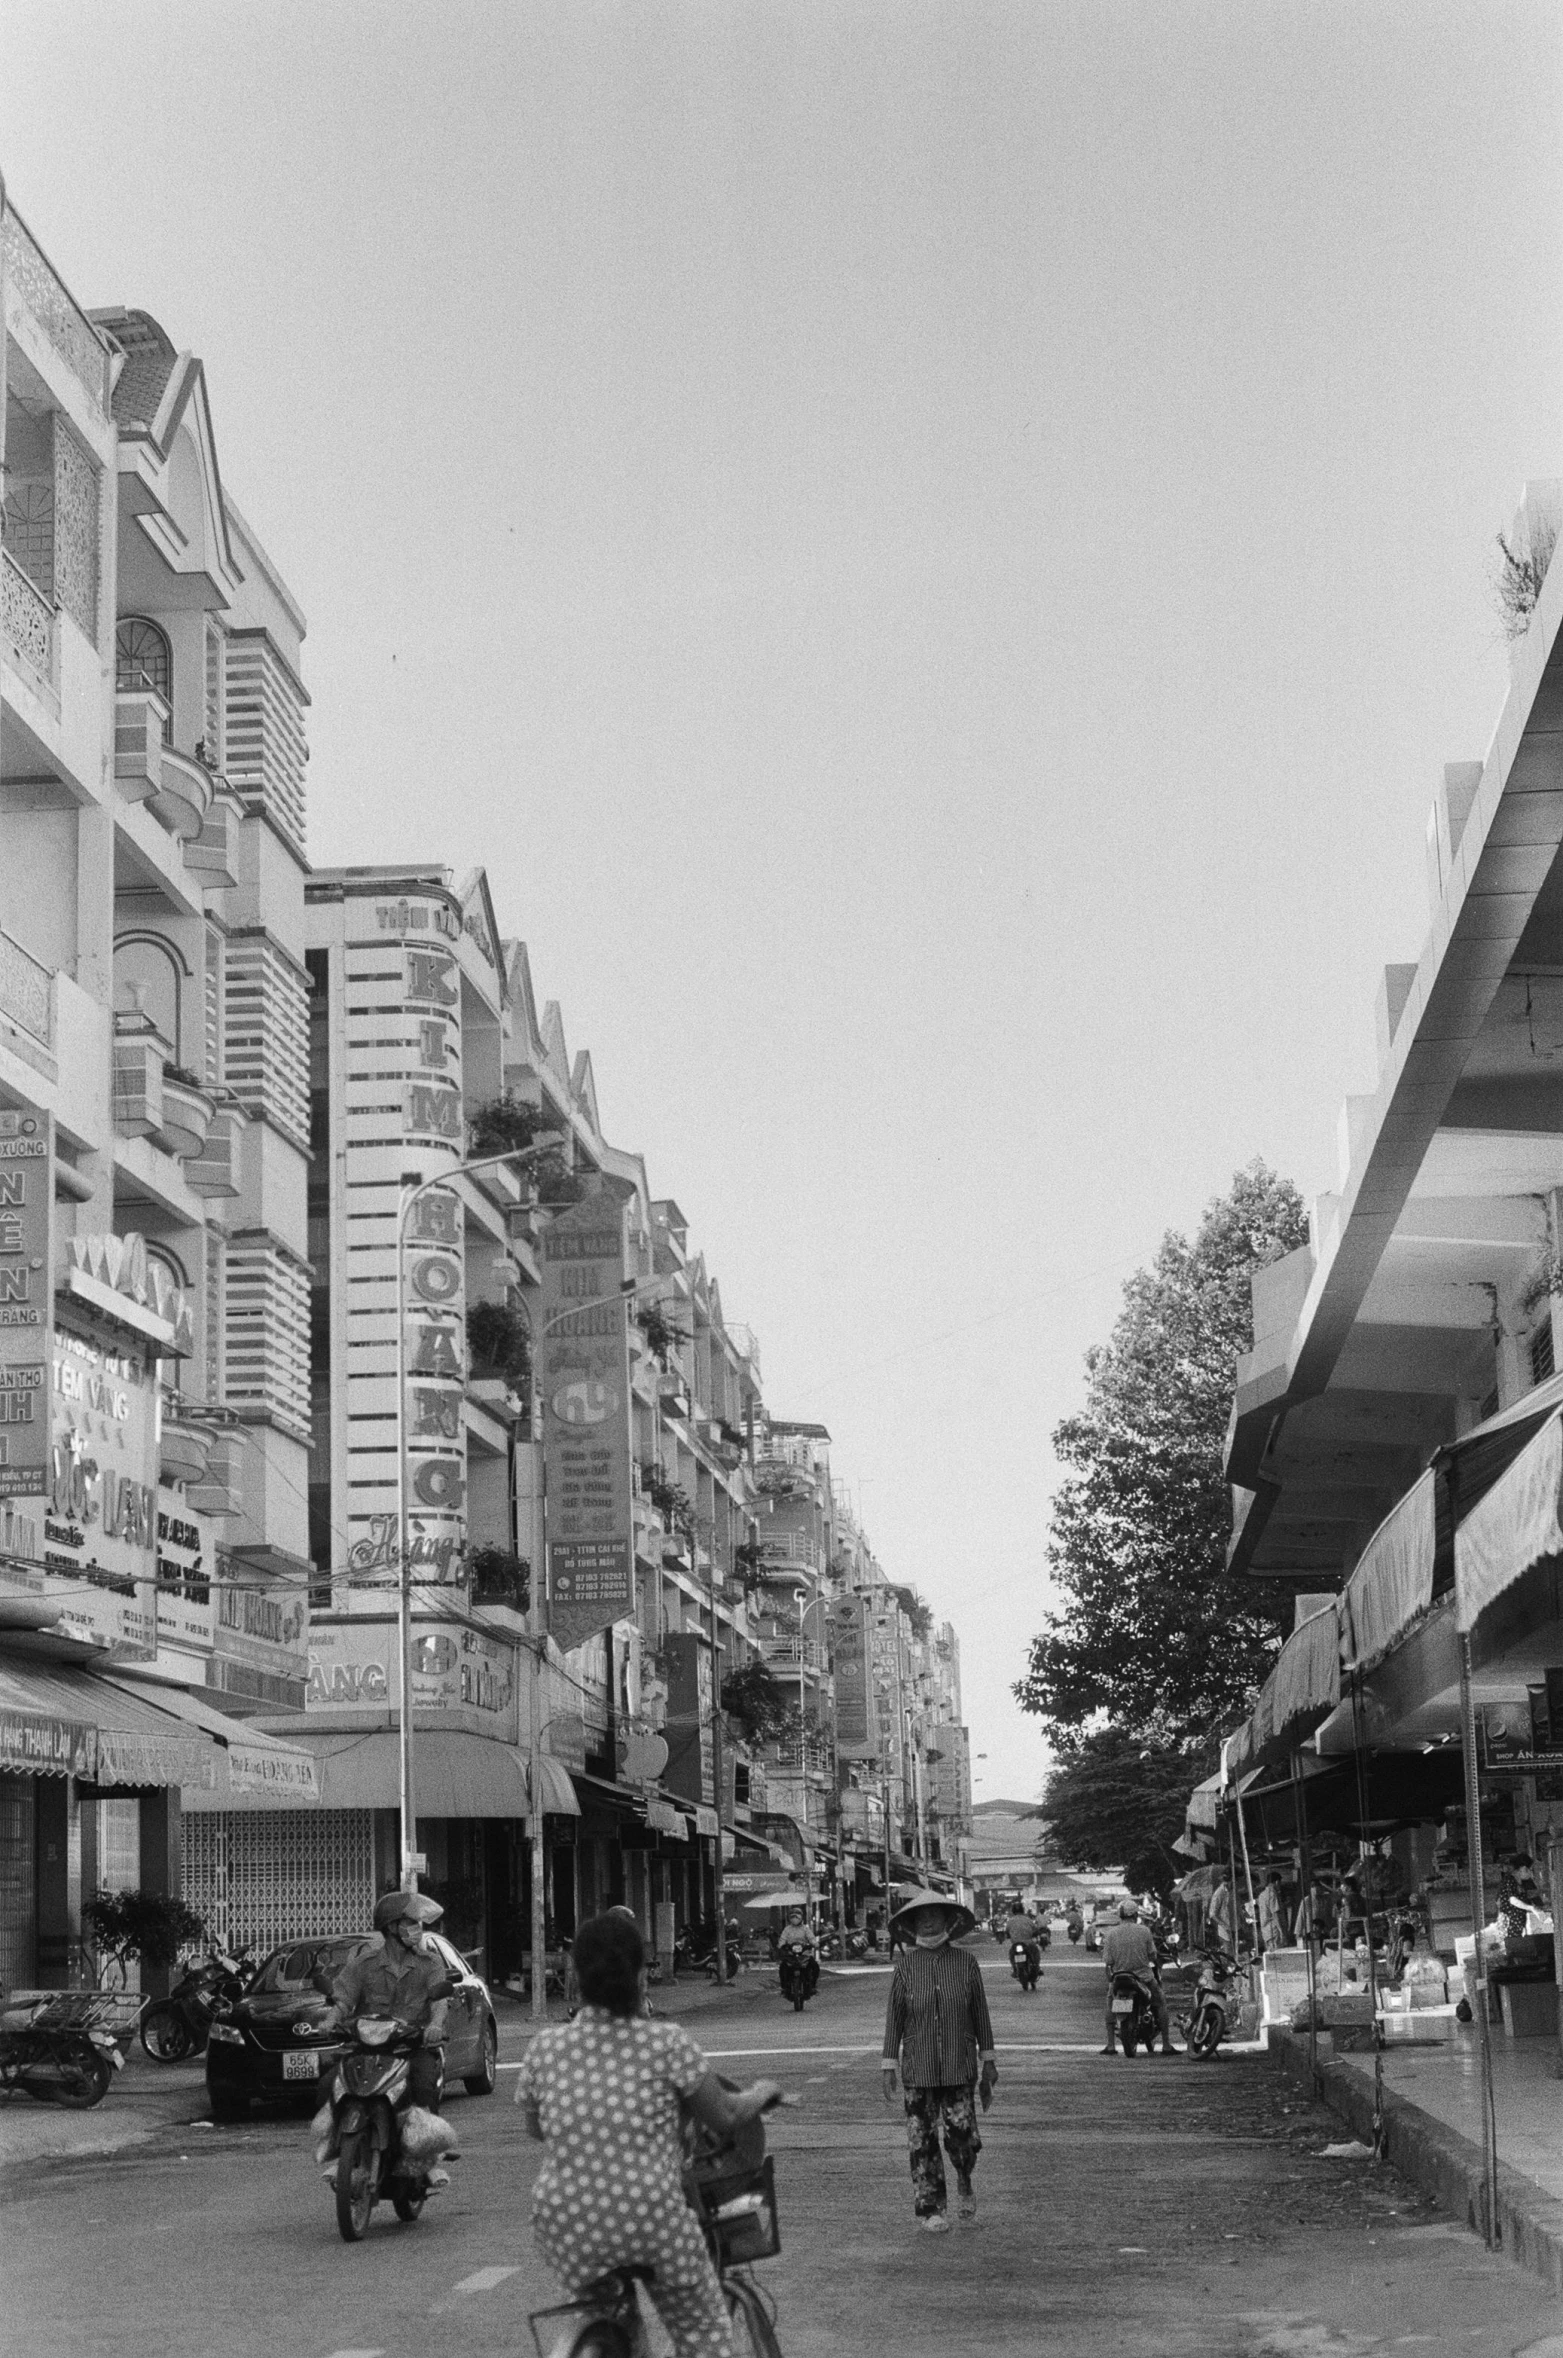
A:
[(663, 1335), (757, 1704), (500, 1577), (507, 1125), (501, 1345)]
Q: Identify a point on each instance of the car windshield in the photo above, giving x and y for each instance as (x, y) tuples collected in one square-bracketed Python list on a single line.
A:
[(307, 1965)]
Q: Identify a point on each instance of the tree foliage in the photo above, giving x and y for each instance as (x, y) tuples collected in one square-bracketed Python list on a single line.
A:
[(149, 1925), (1152, 1633), (758, 1703), (1112, 1802)]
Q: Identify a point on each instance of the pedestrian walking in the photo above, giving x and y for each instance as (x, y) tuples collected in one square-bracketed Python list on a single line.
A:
[(938, 2034)]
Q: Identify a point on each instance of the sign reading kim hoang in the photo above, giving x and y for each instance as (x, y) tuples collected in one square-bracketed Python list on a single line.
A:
[(584, 1377)]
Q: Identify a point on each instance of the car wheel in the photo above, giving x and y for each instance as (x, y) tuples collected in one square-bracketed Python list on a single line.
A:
[(481, 2081)]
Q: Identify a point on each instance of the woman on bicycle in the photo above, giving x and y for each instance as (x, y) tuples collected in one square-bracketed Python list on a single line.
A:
[(607, 2094)]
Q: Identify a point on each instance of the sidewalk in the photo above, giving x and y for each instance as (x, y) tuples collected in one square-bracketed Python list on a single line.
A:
[(146, 2097), (1433, 2119)]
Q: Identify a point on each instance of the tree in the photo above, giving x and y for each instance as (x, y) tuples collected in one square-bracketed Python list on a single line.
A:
[(1112, 1802), (758, 1703), (150, 1925), (1153, 1634)]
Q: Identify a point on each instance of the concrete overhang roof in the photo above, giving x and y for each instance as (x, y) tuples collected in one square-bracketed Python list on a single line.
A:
[(1464, 1114)]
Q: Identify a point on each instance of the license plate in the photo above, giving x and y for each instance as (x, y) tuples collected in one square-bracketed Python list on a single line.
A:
[(1123, 2005), (305, 2066)]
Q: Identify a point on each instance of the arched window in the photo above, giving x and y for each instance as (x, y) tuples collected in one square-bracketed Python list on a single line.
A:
[(142, 661)]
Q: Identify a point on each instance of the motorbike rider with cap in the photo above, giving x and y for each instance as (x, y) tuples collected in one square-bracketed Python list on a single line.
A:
[(1020, 1931), (1130, 1948), (403, 1980)]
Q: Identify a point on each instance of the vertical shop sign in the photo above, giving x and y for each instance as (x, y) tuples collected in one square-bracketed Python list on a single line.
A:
[(848, 1623), (432, 1442), (26, 1300), (691, 1768), (585, 1364)]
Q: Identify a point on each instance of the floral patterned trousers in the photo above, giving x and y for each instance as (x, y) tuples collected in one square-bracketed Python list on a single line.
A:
[(926, 2108)]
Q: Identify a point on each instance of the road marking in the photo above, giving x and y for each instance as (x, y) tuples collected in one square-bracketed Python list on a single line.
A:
[(483, 2280), (358, 2354)]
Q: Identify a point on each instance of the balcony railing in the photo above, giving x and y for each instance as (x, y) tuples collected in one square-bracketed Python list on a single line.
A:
[(52, 305), (25, 994), (790, 1653), (26, 618), (799, 1755)]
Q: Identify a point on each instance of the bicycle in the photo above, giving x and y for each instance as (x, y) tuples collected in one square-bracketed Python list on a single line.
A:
[(730, 2183)]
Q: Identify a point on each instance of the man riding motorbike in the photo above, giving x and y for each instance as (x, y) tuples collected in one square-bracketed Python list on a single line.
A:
[(397, 1982), (1130, 1948), (1020, 1932), (796, 1936)]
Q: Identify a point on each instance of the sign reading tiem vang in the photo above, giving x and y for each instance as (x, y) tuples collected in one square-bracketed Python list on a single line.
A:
[(26, 1301), (585, 1384)]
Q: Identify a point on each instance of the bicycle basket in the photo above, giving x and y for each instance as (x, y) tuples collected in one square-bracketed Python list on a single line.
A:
[(740, 2211)]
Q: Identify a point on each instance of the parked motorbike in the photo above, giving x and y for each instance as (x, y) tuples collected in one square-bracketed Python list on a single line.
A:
[(1134, 2017), (178, 2025), (1206, 2026), (1025, 1963), (368, 2102), (58, 2047), (799, 1977)]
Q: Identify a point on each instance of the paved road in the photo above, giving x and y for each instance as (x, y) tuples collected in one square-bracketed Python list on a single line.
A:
[(1140, 2209)]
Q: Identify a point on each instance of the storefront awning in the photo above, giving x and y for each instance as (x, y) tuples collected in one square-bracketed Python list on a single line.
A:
[(1392, 1586), (68, 1722), (251, 1770), (1204, 1805), (1513, 1527), (456, 1775)]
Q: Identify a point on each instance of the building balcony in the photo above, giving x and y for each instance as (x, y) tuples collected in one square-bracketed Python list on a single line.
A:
[(798, 1756), (185, 1448), (176, 788), (789, 1655), (217, 1170), (26, 621), (153, 1097), (26, 992)]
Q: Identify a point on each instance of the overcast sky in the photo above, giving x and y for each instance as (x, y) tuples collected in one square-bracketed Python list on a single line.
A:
[(935, 552)]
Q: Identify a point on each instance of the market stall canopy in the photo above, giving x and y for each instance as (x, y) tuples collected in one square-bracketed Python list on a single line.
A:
[(1515, 1526), (456, 1774), (1204, 1806), (69, 1722), (1300, 1692), (1392, 1586)]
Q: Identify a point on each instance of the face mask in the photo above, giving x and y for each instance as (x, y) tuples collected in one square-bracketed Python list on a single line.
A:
[(932, 1940)]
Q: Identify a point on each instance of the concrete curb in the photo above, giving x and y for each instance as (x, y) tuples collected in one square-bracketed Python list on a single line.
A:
[(1439, 2160)]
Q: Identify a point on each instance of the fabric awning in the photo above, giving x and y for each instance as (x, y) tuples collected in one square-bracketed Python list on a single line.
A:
[(1306, 1679), (1204, 1805), (456, 1774), (251, 1770), (62, 1721), (1513, 1527), (1392, 1586)]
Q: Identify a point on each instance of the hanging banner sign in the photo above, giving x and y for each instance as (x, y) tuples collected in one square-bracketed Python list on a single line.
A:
[(691, 1766), (26, 1300), (849, 1640), (100, 1527), (585, 1386)]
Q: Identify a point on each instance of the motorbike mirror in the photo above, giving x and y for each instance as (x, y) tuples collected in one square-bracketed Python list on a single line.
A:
[(445, 1987)]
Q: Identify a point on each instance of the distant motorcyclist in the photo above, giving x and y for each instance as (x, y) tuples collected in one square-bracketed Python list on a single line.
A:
[(1074, 1922), (797, 1938), (1020, 1932), (1130, 1948)]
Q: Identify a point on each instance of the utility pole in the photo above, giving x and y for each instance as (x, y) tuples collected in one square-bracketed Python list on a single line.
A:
[(535, 1646)]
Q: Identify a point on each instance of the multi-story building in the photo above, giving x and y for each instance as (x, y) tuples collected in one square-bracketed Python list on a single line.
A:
[(154, 1121)]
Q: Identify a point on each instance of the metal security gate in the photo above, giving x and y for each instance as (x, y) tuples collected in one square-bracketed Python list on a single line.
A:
[(18, 1874), (262, 1877)]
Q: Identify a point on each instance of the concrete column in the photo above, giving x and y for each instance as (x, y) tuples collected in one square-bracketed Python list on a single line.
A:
[(162, 1865)]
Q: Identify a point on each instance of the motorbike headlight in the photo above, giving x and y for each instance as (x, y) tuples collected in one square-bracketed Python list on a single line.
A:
[(223, 2034)]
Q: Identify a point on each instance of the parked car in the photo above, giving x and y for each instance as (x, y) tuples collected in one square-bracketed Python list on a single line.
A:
[(269, 2043)]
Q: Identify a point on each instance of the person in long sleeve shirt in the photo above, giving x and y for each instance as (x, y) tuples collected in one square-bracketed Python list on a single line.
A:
[(939, 2037)]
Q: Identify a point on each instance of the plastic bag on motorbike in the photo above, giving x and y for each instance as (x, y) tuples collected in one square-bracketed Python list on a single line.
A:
[(324, 2131), (425, 2136)]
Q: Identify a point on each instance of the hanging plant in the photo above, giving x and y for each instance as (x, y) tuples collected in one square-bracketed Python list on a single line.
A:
[(500, 1577)]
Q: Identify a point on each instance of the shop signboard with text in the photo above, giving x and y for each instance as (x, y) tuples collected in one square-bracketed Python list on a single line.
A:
[(465, 1676), (691, 1766), (100, 1524), (585, 1385), (847, 1620), (26, 1300)]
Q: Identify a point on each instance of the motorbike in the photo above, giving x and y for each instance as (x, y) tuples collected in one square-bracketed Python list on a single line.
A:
[(1025, 1963), (1134, 2017), (799, 1976), (1074, 1928), (178, 2025), (1206, 2026), (730, 2185), (368, 2104), (58, 2046)]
